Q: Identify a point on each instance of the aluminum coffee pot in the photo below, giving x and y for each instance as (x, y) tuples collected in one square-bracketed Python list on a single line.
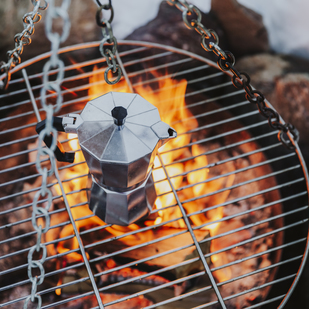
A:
[(119, 134)]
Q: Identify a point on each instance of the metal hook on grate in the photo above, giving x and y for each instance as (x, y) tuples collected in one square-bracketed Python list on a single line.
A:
[(109, 47)]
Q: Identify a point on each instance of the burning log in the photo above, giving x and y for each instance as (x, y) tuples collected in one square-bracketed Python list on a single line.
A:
[(155, 242), (134, 276), (127, 273), (91, 302)]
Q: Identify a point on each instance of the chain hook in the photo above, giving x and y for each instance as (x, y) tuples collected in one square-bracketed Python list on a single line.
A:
[(103, 22), (109, 3), (109, 53), (285, 139)]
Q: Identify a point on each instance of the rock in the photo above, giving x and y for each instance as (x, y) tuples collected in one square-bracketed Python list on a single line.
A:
[(280, 80), (168, 28), (292, 102), (244, 28), (246, 36), (263, 69)]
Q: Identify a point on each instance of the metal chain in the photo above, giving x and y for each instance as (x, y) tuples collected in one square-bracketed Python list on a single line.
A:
[(41, 207), (21, 39), (108, 46), (241, 80)]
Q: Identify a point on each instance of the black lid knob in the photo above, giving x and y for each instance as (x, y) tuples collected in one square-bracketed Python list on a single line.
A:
[(119, 114)]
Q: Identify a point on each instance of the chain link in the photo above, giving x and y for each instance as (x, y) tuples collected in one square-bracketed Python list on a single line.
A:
[(108, 46), (21, 39), (40, 214), (241, 80)]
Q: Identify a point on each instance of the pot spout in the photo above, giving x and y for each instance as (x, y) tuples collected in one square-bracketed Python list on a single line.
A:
[(164, 132)]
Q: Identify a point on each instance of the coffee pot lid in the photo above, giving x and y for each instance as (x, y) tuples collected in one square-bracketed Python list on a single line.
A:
[(120, 127)]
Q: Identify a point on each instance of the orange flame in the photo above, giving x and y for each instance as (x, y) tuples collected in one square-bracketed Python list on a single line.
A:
[(170, 100)]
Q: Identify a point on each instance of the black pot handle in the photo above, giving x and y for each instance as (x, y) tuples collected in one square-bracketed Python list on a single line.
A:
[(59, 152)]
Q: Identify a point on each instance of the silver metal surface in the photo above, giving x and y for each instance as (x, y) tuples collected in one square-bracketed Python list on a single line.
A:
[(122, 208), (209, 100), (35, 108), (120, 154), (107, 147)]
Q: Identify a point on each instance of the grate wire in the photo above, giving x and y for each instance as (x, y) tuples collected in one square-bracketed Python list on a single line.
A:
[(203, 91)]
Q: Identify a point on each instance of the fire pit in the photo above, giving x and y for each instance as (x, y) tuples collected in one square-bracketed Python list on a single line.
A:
[(230, 223)]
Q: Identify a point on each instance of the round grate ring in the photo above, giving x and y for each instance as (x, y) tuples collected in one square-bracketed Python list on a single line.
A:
[(235, 236)]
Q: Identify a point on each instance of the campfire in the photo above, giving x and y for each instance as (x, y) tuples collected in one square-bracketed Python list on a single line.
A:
[(219, 204), (188, 176), (187, 166)]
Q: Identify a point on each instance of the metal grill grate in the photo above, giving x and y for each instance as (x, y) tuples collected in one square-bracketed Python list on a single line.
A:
[(254, 200)]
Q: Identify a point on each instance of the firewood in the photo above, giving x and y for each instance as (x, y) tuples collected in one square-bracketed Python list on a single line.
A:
[(91, 301), (180, 239), (128, 273)]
